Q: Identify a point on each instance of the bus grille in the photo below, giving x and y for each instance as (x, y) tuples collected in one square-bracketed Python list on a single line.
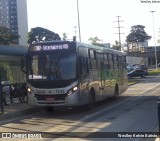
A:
[(56, 97)]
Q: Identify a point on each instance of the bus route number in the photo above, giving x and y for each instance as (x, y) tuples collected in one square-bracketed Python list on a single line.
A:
[(59, 91)]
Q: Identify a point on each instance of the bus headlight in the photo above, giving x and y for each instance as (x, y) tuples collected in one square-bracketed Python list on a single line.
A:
[(70, 91), (75, 88), (30, 91)]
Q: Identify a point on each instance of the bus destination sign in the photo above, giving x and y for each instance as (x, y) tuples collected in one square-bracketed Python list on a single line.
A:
[(50, 47)]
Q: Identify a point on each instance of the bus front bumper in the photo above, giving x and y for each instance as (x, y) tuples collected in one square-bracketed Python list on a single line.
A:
[(55, 100)]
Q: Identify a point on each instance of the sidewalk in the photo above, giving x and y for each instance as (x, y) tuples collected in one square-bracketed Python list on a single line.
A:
[(16, 109)]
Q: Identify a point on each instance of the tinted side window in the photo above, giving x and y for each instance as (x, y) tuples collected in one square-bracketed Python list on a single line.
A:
[(83, 65), (106, 62), (110, 61)]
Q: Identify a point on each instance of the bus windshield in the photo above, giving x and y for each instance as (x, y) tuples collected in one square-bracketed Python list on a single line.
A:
[(52, 66)]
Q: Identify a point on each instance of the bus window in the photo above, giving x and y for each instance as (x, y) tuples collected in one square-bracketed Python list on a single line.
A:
[(110, 61), (115, 60), (92, 54), (83, 65), (124, 61), (98, 60), (93, 64), (106, 63), (120, 62), (35, 65)]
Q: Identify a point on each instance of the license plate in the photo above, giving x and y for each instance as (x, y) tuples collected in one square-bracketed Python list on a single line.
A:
[(50, 98)]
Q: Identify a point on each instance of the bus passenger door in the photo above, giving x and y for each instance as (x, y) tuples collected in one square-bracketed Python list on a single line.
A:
[(84, 79)]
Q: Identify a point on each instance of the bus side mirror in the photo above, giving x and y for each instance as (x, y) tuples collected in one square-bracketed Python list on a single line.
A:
[(23, 64)]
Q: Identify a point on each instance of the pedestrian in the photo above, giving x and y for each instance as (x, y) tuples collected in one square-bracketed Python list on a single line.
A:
[(23, 92), (4, 99), (11, 93), (1, 98), (17, 91), (6, 91)]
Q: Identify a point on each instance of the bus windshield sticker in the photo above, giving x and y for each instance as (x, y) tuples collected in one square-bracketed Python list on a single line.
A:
[(37, 77)]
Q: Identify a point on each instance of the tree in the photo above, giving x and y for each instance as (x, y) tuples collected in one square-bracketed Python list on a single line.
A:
[(137, 35), (94, 40), (7, 37), (64, 36), (117, 46), (41, 34)]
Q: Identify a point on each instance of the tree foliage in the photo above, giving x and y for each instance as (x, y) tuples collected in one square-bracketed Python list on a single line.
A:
[(38, 34), (137, 34), (94, 40), (117, 46), (64, 36), (7, 37)]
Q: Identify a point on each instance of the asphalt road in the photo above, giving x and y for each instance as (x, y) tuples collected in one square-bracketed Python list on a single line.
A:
[(126, 118)]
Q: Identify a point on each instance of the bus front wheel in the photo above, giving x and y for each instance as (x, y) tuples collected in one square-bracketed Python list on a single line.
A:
[(116, 93), (91, 100)]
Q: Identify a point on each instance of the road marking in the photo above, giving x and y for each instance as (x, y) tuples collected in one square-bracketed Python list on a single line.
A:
[(19, 118), (113, 106)]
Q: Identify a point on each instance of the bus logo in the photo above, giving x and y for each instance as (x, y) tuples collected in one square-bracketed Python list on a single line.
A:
[(6, 135)]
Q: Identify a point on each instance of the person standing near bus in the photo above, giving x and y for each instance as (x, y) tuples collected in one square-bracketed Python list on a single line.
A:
[(5, 90)]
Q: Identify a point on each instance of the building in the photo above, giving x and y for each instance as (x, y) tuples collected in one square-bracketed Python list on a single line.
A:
[(10, 63), (13, 15)]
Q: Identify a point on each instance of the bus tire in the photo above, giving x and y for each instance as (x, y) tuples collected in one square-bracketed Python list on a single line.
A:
[(116, 92), (91, 100)]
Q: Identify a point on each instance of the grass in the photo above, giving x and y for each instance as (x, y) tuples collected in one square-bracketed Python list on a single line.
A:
[(154, 72), (133, 81)]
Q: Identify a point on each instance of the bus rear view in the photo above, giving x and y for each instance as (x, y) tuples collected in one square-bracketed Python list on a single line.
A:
[(52, 74)]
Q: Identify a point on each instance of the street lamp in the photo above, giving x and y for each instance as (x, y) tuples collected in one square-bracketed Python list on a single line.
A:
[(78, 21), (154, 38)]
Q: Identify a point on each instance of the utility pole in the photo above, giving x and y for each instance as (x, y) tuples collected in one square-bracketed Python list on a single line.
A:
[(78, 21), (75, 31), (119, 30), (154, 38)]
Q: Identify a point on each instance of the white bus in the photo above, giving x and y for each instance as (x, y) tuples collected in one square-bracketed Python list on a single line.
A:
[(68, 73)]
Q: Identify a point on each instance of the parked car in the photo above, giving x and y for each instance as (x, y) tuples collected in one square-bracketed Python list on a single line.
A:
[(131, 67), (138, 73), (143, 67)]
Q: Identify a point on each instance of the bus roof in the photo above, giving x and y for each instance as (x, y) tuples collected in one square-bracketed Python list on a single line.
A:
[(109, 50)]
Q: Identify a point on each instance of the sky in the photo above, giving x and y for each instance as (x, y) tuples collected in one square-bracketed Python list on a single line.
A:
[(97, 17)]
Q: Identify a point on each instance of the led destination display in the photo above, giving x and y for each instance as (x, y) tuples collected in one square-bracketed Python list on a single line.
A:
[(49, 47)]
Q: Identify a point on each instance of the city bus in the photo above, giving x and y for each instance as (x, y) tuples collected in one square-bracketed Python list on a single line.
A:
[(69, 73)]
